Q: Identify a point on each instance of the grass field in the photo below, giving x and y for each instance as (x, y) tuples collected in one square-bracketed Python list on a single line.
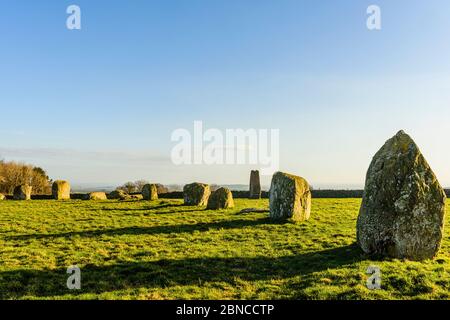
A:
[(164, 250)]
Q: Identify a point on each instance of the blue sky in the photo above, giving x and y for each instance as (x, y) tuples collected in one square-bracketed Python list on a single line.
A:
[(98, 105)]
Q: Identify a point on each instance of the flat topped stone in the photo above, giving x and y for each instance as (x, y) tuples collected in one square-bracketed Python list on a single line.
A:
[(61, 190), (118, 195), (403, 207), (290, 197), (196, 194), (96, 196), (255, 185), (222, 198), (150, 192)]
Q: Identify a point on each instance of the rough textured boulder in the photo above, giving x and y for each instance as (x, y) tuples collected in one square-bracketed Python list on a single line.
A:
[(96, 196), (118, 195), (403, 207), (150, 192), (2, 196), (196, 194), (220, 199), (162, 189), (22, 192), (255, 185), (61, 190), (137, 197), (290, 197)]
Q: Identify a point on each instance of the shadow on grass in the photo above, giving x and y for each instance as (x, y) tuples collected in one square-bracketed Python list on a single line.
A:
[(154, 230), (166, 273), (147, 208)]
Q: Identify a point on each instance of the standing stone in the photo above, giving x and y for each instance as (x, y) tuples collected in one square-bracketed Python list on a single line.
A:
[(255, 185), (2, 196), (150, 192), (222, 198), (96, 196), (22, 192), (403, 207), (196, 194), (290, 197), (61, 190)]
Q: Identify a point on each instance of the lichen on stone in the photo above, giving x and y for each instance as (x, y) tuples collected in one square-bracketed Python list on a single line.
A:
[(403, 207)]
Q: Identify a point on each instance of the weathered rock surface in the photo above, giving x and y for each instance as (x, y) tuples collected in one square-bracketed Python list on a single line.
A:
[(2, 197), (61, 190), (118, 195), (137, 197), (150, 192), (289, 197), (255, 185), (403, 207), (96, 196), (222, 198), (162, 189), (196, 194), (22, 192)]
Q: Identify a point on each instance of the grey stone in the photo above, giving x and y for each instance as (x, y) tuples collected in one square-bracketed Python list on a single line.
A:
[(22, 192), (290, 197), (61, 190), (150, 192), (196, 194), (255, 185), (403, 207), (222, 198)]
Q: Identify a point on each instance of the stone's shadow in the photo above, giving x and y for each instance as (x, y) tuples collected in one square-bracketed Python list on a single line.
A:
[(154, 230), (147, 208), (166, 273)]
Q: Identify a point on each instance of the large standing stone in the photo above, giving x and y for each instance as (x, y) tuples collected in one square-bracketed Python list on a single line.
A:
[(196, 194), (150, 192), (255, 185), (403, 207), (222, 198), (22, 192), (61, 190), (96, 196), (290, 197)]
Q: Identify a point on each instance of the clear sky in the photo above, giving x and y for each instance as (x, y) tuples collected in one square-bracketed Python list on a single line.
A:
[(98, 105)]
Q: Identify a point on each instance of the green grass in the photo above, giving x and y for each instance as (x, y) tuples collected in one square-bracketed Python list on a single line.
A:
[(164, 250)]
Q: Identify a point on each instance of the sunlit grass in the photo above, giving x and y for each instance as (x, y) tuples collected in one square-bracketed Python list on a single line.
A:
[(164, 250)]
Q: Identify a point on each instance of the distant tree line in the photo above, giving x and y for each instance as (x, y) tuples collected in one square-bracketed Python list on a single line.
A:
[(136, 187), (13, 174)]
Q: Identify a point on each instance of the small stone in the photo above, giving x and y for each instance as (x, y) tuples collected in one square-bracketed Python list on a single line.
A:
[(118, 195), (222, 198), (96, 196), (290, 197), (403, 207), (61, 190), (22, 192), (150, 192), (196, 194)]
